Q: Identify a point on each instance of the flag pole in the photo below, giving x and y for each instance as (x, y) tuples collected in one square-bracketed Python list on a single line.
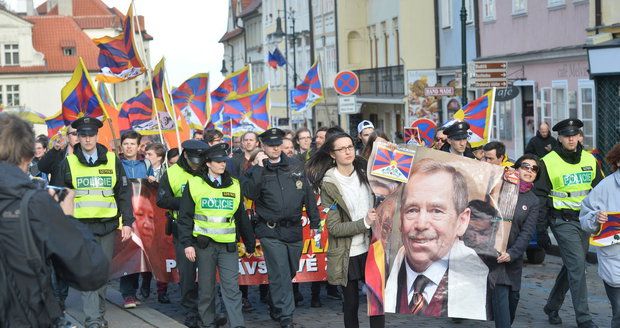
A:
[(149, 77), (492, 104), (314, 123), (105, 89), (176, 126)]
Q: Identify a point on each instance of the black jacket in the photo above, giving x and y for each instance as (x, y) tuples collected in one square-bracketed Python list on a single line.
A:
[(521, 231), (50, 163), (187, 211), (543, 187), (61, 240), (122, 191), (280, 191), (468, 153), (540, 146), (235, 165)]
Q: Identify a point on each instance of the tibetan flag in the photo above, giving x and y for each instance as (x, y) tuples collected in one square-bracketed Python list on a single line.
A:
[(412, 136), (137, 114), (392, 164), (118, 56), (309, 92), (478, 114), (26, 114), (80, 98), (248, 112), (375, 273), (236, 83), (160, 88), (609, 233), (191, 100), (276, 59), (54, 124)]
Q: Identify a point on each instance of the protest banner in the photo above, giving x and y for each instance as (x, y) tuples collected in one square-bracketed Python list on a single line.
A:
[(609, 232), (151, 250), (446, 224)]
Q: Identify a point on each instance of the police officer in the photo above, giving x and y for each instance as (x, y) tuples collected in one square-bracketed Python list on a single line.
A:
[(568, 174), (280, 189), (211, 214), (102, 194), (169, 195), (457, 140)]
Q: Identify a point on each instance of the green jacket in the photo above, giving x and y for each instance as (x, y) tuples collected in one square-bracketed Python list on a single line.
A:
[(341, 230)]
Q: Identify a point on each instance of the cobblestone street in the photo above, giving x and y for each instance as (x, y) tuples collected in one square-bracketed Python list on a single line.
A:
[(537, 282)]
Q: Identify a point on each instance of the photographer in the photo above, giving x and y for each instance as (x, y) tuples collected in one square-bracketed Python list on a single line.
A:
[(26, 298)]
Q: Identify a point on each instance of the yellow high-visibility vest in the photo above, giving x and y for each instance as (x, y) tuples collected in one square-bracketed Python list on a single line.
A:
[(177, 178), (94, 188), (570, 183)]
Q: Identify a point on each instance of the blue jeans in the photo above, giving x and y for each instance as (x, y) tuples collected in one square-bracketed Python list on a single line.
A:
[(504, 305), (613, 293)]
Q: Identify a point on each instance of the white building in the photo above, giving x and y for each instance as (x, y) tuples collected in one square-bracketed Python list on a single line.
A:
[(40, 50)]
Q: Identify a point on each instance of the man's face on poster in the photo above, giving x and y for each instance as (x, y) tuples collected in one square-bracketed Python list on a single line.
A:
[(477, 234), (145, 219), (430, 223)]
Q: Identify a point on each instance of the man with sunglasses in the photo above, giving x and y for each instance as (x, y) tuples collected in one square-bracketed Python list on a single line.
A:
[(102, 194), (567, 175)]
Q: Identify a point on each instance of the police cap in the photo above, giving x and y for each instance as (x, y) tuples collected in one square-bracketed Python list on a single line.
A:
[(457, 131), (87, 126), (218, 152), (568, 127), (272, 137), (195, 150)]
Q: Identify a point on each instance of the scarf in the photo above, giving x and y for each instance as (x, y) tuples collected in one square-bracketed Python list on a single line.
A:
[(525, 186)]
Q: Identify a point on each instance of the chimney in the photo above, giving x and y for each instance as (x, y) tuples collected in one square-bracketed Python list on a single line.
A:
[(30, 8), (65, 7)]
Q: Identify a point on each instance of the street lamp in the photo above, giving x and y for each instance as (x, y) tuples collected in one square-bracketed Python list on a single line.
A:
[(463, 54), (224, 71)]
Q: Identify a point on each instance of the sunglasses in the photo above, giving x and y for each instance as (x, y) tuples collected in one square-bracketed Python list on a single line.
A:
[(529, 167)]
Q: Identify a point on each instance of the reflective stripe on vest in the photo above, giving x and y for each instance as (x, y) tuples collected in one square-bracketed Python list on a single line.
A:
[(94, 188), (214, 208), (177, 179), (570, 183)]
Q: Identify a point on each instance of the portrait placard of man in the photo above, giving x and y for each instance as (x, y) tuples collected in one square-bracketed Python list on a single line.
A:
[(434, 273)]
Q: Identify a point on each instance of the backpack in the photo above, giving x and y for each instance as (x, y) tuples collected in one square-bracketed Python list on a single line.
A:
[(9, 290)]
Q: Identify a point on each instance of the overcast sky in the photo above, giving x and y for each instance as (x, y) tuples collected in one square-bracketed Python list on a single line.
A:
[(186, 32)]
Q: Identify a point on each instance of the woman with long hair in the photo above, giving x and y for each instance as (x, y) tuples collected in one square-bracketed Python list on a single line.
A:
[(505, 277), (348, 200)]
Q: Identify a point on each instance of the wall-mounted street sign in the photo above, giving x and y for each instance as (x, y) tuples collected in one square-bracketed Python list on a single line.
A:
[(490, 74), (506, 94), (346, 83), (438, 91), (347, 105)]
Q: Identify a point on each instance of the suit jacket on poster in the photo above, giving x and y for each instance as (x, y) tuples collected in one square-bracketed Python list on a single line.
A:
[(466, 295)]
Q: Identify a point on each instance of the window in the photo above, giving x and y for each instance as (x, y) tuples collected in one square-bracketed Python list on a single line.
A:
[(12, 95), (545, 107), (446, 13), (559, 101), (519, 7), (586, 104), (470, 12), (555, 3), (11, 54), (69, 51), (488, 10)]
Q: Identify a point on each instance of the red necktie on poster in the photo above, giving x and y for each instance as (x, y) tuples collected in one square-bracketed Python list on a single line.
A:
[(418, 303)]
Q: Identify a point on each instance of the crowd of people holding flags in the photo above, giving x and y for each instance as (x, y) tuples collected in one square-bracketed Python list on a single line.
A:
[(239, 179)]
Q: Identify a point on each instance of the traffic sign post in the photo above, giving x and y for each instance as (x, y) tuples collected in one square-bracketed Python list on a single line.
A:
[(346, 83), (490, 74)]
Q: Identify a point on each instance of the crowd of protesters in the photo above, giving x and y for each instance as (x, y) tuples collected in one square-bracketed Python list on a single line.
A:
[(282, 172)]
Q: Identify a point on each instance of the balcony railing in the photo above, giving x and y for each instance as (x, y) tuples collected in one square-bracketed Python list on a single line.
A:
[(381, 82)]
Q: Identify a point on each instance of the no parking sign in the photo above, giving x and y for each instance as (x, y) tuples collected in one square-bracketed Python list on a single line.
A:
[(346, 83)]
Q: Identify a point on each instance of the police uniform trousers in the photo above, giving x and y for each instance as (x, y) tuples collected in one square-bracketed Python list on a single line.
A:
[(94, 301), (282, 259), (217, 256), (187, 277), (573, 244)]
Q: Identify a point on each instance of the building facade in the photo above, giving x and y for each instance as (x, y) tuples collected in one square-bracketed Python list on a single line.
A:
[(550, 70)]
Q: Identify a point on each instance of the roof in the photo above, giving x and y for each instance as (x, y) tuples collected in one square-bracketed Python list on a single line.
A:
[(244, 4), (250, 8), (80, 8), (231, 34), (49, 35)]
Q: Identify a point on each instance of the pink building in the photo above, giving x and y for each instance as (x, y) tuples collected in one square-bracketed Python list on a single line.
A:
[(542, 42)]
